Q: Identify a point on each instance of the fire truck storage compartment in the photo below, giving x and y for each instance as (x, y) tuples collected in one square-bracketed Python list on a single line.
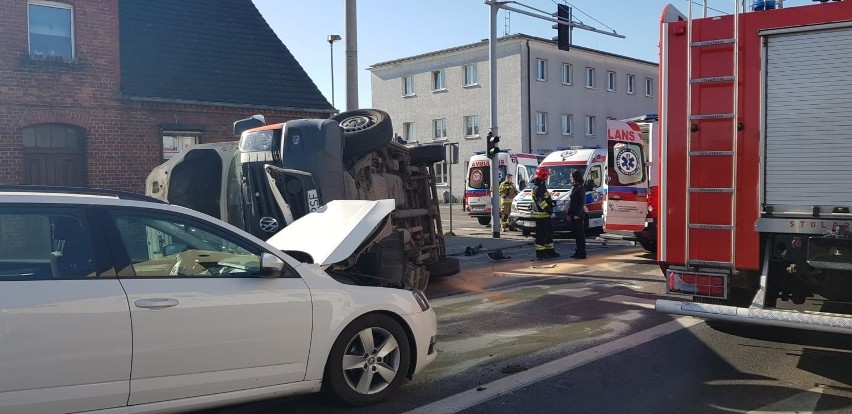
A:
[(808, 130)]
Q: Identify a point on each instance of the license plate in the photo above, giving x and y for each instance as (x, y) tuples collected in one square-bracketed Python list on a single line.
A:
[(313, 201), (526, 223)]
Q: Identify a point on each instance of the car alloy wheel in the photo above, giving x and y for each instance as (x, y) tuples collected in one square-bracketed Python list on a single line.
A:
[(368, 361), (371, 362)]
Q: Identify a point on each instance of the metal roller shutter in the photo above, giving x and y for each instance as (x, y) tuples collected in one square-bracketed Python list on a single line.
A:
[(808, 157)]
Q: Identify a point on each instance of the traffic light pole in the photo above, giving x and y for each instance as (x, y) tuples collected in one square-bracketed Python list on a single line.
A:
[(495, 6), (493, 131)]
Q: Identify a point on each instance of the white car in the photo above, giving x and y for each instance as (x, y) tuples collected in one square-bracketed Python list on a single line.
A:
[(113, 303)]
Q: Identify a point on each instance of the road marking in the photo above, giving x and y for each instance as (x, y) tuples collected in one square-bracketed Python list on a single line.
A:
[(472, 397), (630, 300)]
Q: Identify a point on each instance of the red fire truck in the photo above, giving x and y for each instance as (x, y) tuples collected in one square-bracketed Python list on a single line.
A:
[(755, 163)]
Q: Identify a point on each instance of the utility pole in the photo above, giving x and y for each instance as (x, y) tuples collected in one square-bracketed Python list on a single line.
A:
[(494, 7)]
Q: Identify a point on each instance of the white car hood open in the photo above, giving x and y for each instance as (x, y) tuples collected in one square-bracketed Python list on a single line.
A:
[(335, 231)]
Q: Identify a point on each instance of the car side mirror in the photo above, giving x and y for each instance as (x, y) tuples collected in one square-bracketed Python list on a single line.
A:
[(174, 248), (271, 265)]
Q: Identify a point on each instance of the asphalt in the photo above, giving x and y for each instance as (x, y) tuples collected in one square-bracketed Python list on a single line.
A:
[(457, 245)]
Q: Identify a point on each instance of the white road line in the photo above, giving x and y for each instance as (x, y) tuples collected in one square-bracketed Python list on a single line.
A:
[(630, 300), (472, 397)]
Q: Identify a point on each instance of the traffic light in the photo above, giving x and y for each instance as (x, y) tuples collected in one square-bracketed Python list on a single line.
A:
[(563, 32), (492, 149)]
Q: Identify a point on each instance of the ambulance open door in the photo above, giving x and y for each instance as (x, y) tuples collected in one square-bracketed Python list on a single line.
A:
[(626, 200)]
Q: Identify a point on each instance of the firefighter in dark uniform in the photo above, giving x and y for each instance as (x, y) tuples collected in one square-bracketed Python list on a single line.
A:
[(541, 209)]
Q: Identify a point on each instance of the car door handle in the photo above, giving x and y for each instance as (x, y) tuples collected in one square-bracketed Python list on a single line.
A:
[(614, 197), (156, 303)]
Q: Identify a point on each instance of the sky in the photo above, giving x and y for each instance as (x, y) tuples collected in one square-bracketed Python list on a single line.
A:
[(394, 29)]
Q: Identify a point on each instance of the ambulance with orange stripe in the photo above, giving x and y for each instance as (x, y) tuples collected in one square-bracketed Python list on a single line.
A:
[(477, 193), (592, 162)]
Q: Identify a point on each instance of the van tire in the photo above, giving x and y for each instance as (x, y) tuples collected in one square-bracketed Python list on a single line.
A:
[(445, 266), (427, 154), (364, 131)]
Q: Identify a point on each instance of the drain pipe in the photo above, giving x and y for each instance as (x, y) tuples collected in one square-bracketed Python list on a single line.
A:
[(529, 103)]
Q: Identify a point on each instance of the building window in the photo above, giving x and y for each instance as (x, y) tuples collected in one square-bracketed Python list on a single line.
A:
[(590, 125), (471, 126), (610, 80), (408, 132), (567, 74), (541, 69), (630, 81), (440, 128), (471, 77), (408, 85), (649, 87), (441, 173), (567, 122), (541, 122), (590, 78), (51, 31), (175, 142), (439, 80)]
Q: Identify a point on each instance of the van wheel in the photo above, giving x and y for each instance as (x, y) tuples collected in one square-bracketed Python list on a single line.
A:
[(364, 131), (484, 220), (427, 154), (445, 266)]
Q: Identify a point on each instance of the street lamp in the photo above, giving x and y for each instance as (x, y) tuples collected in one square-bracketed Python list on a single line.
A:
[(331, 39)]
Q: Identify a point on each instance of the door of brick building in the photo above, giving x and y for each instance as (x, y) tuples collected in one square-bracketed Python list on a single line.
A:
[(55, 154)]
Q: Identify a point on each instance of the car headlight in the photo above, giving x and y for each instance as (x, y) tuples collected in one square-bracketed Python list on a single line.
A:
[(421, 299)]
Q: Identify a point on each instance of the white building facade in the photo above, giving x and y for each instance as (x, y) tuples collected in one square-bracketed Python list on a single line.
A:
[(547, 98)]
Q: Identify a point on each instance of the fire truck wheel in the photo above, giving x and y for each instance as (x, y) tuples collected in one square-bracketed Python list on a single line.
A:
[(364, 130), (649, 246), (484, 220), (446, 266), (427, 154)]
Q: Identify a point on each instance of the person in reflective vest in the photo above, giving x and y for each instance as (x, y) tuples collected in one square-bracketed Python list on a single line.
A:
[(541, 210), (508, 191)]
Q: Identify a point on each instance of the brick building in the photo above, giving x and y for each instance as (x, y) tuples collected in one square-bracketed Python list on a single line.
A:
[(98, 92)]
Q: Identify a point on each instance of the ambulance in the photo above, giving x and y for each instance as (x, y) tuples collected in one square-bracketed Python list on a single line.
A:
[(477, 193), (592, 163), (633, 216)]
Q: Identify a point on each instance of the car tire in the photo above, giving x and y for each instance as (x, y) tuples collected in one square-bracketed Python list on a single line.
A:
[(427, 154), (484, 220), (446, 266), (387, 367), (525, 233), (364, 131)]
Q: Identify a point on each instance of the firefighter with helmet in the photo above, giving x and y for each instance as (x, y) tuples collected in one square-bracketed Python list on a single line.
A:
[(508, 191), (541, 210)]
